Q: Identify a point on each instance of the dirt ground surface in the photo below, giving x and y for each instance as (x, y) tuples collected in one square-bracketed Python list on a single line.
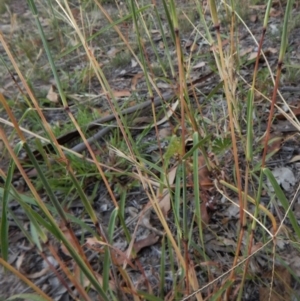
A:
[(17, 26)]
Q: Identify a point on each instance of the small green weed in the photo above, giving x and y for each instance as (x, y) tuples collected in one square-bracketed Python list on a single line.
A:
[(155, 191), (121, 59)]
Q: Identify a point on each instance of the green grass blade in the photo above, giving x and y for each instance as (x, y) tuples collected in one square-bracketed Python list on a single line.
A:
[(139, 41), (45, 182), (196, 185), (196, 146), (103, 30), (106, 268), (121, 215), (167, 52), (74, 253), (5, 200), (184, 202), (32, 297), (112, 224), (149, 297), (33, 215), (177, 201), (284, 37), (86, 203), (46, 47), (20, 225), (249, 142), (267, 14), (283, 200), (170, 23), (220, 291), (162, 267), (107, 256), (35, 233)]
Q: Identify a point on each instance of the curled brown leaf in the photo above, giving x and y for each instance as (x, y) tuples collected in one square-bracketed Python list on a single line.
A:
[(145, 242)]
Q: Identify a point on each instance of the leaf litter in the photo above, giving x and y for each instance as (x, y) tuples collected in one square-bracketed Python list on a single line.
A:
[(222, 224)]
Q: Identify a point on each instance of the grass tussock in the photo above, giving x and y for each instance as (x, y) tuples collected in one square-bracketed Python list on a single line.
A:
[(142, 151)]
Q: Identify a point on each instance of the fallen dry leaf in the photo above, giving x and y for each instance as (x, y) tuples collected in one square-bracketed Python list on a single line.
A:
[(296, 112), (284, 177), (194, 47), (165, 202), (81, 278), (146, 223), (76, 13), (246, 51), (188, 43), (133, 63), (121, 93), (112, 52), (118, 257), (204, 174), (93, 242), (258, 7), (295, 159), (267, 52), (264, 294), (142, 120), (135, 79), (252, 56), (199, 65), (255, 247), (275, 12), (20, 261), (281, 286), (161, 45), (52, 95), (204, 214), (253, 18), (38, 274), (215, 46), (145, 242), (271, 50), (69, 237), (164, 133), (193, 280)]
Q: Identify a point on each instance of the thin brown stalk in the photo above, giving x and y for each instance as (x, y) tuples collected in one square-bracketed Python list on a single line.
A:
[(187, 261), (24, 279), (156, 132), (116, 28), (33, 99), (271, 114), (182, 88), (29, 183), (251, 237), (230, 102), (67, 272)]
